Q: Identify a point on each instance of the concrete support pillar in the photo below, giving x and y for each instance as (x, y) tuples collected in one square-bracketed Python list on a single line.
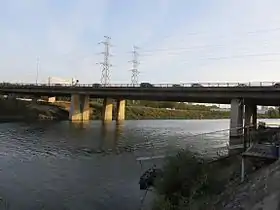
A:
[(34, 99), (51, 99), (11, 96), (250, 121), (236, 118), (79, 109), (107, 114), (236, 126), (251, 115), (120, 110)]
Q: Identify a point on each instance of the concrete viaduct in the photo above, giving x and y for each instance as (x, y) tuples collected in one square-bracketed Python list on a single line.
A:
[(240, 97)]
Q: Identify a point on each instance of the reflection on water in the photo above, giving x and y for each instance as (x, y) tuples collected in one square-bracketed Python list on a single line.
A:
[(62, 165), (111, 133)]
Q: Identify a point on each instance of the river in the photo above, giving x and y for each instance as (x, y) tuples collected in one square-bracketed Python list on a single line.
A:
[(61, 165)]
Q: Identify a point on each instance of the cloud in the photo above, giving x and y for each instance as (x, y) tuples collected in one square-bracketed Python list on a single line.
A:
[(56, 36), (200, 41), (222, 53)]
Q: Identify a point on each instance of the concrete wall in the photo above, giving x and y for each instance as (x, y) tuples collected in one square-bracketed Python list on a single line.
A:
[(120, 110), (107, 114), (51, 99), (251, 115), (236, 122), (79, 109)]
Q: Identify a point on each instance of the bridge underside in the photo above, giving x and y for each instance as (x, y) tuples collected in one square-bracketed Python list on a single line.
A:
[(255, 95), (213, 100)]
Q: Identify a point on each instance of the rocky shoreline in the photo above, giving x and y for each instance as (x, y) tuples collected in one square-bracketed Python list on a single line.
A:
[(260, 191)]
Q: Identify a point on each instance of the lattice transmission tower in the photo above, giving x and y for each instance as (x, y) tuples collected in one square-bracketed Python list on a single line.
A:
[(37, 68), (135, 64), (105, 65)]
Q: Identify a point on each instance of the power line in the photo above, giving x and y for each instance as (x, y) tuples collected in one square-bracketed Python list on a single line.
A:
[(180, 50), (105, 74), (258, 31), (219, 58), (135, 64), (201, 47)]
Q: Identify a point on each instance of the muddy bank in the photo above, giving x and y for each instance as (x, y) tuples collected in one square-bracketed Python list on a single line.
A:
[(260, 191), (17, 110)]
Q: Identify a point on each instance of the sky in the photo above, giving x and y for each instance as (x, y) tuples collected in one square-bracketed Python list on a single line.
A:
[(179, 41)]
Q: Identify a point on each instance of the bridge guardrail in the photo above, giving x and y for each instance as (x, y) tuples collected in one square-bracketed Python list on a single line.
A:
[(166, 85)]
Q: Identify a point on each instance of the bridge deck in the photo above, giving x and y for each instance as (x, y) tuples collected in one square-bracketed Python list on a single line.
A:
[(261, 95)]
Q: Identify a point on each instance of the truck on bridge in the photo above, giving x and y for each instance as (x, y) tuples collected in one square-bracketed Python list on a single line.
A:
[(59, 82)]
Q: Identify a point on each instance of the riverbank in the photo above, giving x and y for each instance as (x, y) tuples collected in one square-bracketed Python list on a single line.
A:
[(260, 191), (19, 110), (146, 113), (137, 112), (216, 185)]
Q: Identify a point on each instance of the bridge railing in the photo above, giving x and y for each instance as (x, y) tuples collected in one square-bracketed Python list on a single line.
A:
[(178, 85)]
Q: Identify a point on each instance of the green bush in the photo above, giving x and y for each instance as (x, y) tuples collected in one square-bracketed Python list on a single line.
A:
[(190, 182)]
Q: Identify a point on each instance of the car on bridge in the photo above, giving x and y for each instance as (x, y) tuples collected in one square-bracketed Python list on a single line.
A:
[(146, 85), (277, 85), (96, 85), (242, 85), (176, 85), (75, 83), (196, 85)]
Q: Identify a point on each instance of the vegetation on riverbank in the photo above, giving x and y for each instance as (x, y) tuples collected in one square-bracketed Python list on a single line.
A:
[(137, 112), (141, 111), (19, 110), (12, 110), (192, 183)]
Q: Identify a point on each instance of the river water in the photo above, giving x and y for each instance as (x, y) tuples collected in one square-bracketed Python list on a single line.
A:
[(60, 165)]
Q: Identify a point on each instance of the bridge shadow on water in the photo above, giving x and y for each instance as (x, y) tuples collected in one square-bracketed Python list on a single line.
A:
[(104, 137)]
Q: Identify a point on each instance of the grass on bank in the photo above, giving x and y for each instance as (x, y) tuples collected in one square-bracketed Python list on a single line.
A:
[(135, 112), (17, 109), (193, 183), (13, 110), (143, 112)]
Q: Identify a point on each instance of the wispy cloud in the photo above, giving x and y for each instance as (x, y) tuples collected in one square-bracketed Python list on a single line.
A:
[(220, 52), (200, 40)]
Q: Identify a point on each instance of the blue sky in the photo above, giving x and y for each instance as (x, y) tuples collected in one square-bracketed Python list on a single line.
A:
[(179, 40)]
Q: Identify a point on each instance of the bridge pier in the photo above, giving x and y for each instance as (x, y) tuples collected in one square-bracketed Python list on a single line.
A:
[(12, 96), (107, 112), (120, 110), (251, 115), (236, 122), (35, 99), (250, 120), (51, 99), (79, 109)]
